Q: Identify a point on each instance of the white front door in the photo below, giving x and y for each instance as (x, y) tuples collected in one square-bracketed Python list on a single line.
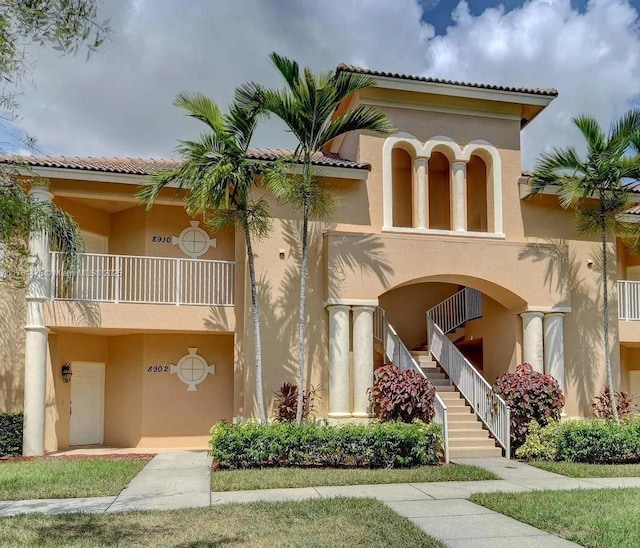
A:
[(87, 403)]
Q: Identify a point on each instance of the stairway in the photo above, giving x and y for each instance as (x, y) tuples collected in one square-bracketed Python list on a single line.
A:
[(467, 437)]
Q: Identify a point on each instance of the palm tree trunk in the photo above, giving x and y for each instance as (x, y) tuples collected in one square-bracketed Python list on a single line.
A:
[(302, 323), (255, 311), (605, 312)]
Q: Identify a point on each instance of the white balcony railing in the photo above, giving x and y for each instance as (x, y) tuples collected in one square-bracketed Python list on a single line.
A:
[(628, 300), (148, 280)]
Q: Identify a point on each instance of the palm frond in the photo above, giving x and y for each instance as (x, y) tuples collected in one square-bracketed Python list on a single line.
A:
[(361, 118), (288, 68), (591, 131), (202, 108)]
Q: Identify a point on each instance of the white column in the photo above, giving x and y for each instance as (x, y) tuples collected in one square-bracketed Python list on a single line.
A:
[(339, 361), (554, 347), (362, 359), (35, 356), (421, 195), (532, 344), (459, 196)]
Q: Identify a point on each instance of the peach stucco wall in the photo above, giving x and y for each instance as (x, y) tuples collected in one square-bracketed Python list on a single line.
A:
[(142, 408)]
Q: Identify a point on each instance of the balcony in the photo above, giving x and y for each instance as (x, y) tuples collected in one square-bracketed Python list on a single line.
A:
[(628, 300), (145, 280)]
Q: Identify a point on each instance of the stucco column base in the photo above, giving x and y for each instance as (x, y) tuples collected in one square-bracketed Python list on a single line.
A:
[(532, 340)]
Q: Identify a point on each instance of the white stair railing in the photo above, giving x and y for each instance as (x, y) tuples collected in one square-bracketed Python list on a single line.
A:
[(489, 407), (396, 351), (465, 305)]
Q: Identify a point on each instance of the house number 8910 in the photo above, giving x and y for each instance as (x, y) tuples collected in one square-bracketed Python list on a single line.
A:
[(161, 239), (158, 369)]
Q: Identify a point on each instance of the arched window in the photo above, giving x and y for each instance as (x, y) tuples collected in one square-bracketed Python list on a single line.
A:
[(439, 191), (402, 182), (477, 194)]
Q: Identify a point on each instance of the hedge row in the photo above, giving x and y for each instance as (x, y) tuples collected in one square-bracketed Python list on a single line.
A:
[(10, 434), (375, 445), (595, 441)]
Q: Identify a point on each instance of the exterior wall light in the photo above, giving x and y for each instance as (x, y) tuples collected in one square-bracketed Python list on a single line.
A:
[(66, 372)]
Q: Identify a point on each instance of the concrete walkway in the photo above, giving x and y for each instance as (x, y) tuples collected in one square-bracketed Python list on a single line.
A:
[(441, 509)]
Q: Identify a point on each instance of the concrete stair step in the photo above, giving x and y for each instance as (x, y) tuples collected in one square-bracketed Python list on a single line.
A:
[(449, 388), (461, 415), (474, 452), (440, 383), (460, 443), (416, 353), (457, 403), (432, 375), (464, 422), (461, 430)]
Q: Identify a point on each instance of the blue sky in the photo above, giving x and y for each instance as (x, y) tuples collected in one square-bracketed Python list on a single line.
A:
[(120, 102), (438, 12)]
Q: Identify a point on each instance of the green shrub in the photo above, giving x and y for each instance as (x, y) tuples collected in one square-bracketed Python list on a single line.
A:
[(401, 395), (541, 442), (531, 396), (600, 441), (375, 445), (11, 434)]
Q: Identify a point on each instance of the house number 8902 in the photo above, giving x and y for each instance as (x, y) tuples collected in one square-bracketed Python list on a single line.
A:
[(158, 369)]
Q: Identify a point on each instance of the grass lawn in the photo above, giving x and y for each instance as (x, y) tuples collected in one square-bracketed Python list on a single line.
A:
[(331, 522), (272, 478), (594, 518), (582, 470), (42, 479)]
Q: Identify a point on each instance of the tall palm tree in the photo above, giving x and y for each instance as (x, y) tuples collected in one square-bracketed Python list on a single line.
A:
[(218, 179), (307, 105), (596, 187)]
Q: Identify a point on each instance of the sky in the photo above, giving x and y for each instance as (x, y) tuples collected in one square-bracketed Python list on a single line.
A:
[(119, 102)]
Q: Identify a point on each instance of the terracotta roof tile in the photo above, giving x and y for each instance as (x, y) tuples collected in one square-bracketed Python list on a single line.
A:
[(146, 166), (551, 92)]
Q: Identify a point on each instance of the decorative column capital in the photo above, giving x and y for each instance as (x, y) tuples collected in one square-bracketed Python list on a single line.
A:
[(363, 308), (459, 165), (554, 314), (338, 307), (421, 161), (531, 314), (40, 193)]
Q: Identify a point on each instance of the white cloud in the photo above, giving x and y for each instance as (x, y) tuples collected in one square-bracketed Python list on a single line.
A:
[(120, 102), (593, 59)]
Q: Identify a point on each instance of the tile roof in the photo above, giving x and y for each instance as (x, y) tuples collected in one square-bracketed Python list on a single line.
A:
[(146, 166), (550, 92)]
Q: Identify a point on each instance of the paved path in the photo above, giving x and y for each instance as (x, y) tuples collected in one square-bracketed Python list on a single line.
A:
[(179, 480)]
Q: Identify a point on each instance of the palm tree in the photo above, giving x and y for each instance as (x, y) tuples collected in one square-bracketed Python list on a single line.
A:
[(218, 179), (596, 187), (307, 105), (22, 216)]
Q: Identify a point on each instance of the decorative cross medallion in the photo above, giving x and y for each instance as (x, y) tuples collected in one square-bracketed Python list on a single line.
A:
[(193, 241), (192, 369)]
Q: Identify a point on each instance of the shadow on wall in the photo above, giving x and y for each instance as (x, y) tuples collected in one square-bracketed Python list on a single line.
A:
[(13, 315), (75, 313), (279, 311), (583, 326)]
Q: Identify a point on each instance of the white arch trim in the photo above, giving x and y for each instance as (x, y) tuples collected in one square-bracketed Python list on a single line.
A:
[(456, 154)]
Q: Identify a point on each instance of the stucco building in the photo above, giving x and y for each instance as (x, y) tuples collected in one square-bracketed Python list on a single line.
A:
[(156, 330)]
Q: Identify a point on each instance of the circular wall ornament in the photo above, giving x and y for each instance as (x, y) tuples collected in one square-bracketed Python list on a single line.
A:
[(193, 241), (192, 369)]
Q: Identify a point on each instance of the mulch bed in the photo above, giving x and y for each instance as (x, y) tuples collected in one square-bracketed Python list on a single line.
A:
[(116, 456)]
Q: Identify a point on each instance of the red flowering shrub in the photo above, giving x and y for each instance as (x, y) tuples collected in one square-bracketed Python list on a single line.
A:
[(531, 396), (286, 402), (602, 404), (401, 395)]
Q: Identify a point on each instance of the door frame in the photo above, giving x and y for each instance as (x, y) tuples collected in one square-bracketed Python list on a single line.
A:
[(102, 366)]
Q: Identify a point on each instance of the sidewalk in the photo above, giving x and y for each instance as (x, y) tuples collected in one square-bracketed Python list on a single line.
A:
[(181, 479)]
